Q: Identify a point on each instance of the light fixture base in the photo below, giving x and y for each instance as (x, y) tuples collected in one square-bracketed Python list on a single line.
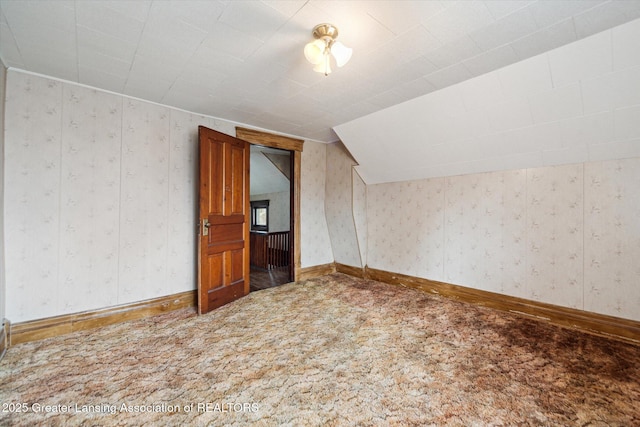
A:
[(324, 31)]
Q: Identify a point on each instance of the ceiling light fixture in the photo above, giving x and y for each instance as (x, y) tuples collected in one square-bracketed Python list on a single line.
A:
[(317, 52)]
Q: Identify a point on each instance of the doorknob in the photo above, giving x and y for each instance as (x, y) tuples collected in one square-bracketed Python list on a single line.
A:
[(205, 226)]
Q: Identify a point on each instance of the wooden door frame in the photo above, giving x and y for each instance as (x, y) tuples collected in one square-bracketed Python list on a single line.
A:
[(293, 145)]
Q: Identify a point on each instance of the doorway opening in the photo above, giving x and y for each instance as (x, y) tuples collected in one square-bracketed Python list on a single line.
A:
[(271, 237)]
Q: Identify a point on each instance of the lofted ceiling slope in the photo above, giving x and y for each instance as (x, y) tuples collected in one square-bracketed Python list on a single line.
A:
[(242, 60), (573, 104), (265, 176)]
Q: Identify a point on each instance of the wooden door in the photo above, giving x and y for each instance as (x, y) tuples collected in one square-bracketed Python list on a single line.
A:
[(223, 244)]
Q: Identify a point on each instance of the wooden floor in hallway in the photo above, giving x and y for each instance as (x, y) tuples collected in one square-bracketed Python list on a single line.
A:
[(264, 279)]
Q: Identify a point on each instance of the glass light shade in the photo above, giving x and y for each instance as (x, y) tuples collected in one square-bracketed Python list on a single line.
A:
[(323, 66), (314, 51), (341, 53)]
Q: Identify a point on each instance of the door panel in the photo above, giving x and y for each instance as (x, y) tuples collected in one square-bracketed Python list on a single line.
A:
[(226, 234), (223, 245), (236, 262), (236, 205), (215, 177), (216, 271)]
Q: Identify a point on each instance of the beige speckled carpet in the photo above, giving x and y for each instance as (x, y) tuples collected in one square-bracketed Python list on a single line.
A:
[(329, 351)]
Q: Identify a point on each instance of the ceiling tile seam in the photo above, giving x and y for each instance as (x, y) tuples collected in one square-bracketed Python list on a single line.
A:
[(292, 15), (595, 6), (509, 43), (184, 66), (108, 6), (277, 30), (135, 54), (13, 37), (384, 26), (75, 31), (95, 30), (573, 24), (548, 62), (524, 5), (581, 97), (446, 5)]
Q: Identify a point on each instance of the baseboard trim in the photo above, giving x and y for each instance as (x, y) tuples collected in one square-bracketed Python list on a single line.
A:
[(4, 337), (34, 330), (594, 323), (352, 271), (316, 271)]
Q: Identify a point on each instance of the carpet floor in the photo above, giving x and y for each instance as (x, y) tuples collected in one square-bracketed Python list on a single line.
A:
[(330, 351)]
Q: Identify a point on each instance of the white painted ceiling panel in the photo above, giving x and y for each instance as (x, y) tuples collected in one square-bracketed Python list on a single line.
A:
[(547, 13), (510, 118), (556, 104), (545, 39), (101, 18), (110, 82), (451, 53), (526, 77), (611, 91), (501, 8), (580, 61), (604, 16), (626, 122), (459, 19), (511, 27), (626, 46), (492, 59), (243, 61)]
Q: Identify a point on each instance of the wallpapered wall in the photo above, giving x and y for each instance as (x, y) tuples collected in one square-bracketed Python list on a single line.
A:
[(3, 79), (100, 198), (567, 235), (339, 206), (316, 249), (279, 210), (360, 214)]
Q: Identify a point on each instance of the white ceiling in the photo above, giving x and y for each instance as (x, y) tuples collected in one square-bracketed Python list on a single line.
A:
[(242, 60), (265, 177), (577, 103)]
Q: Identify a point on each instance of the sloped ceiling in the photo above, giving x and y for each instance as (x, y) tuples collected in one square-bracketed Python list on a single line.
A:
[(265, 176), (242, 60), (576, 103)]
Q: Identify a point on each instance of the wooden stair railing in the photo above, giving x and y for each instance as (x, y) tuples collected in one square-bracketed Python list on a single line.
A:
[(270, 250)]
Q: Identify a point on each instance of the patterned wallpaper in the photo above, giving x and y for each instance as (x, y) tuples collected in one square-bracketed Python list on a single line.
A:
[(339, 206), (567, 235), (612, 237), (316, 245), (485, 212), (89, 194), (3, 79), (33, 133), (360, 213), (555, 230), (183, 202), (406, 227), (100, 198)]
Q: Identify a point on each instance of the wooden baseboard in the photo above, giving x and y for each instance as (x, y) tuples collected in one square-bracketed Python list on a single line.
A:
[(5, 328), (316, 271), (351, 271), (599, 324), (53, 326)]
